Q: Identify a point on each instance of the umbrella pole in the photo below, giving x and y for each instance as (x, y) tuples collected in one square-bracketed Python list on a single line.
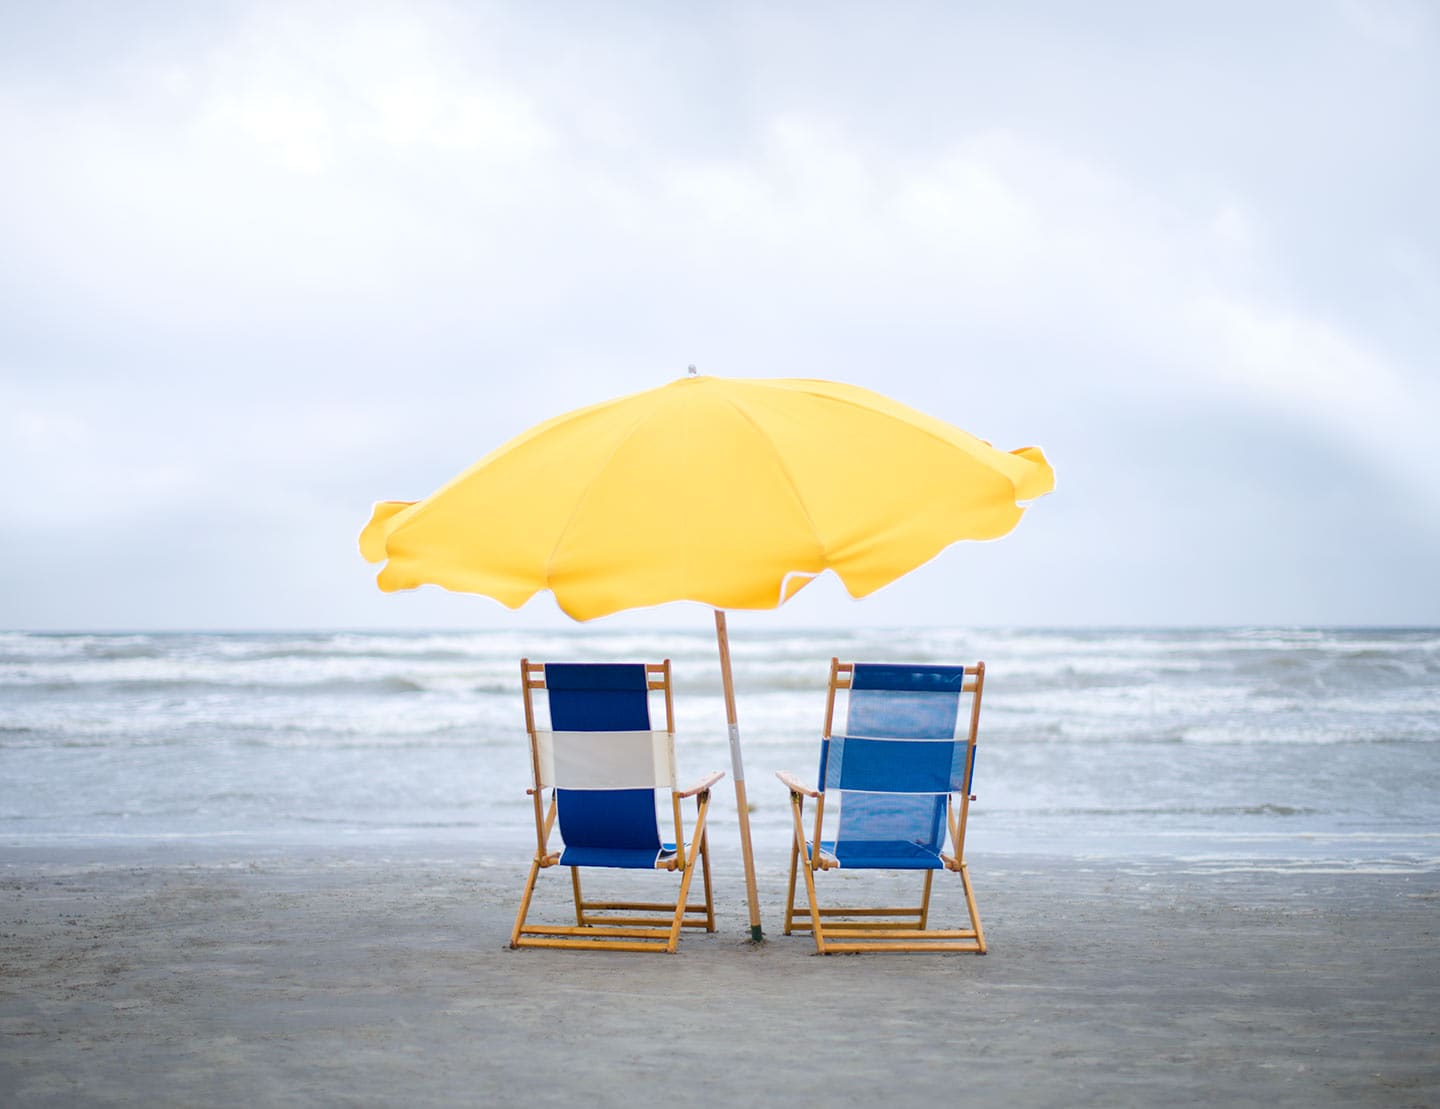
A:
[(737, 769)]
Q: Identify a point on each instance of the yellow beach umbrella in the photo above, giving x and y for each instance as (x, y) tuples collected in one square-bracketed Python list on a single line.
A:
[(733, 493)]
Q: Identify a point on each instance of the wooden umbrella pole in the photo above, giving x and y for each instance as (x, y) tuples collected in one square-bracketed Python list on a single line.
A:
[(737, 769)]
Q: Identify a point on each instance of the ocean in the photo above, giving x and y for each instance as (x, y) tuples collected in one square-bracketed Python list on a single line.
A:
[(1242, 748)]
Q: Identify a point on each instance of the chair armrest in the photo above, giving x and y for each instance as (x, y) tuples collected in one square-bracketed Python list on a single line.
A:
[(703, 784), (794, 784)]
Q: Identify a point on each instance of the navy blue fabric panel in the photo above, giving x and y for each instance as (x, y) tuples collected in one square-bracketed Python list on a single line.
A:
[(595, 675), (908, 678), (608, 856), (824, 762), (598, 697), (897, 765), (608, 818)]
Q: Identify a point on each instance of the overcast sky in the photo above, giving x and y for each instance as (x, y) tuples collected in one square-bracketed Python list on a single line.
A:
[(262, 265)]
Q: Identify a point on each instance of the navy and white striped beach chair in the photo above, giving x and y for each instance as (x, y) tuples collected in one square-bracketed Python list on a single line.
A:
[(907, 751), (603, 768)]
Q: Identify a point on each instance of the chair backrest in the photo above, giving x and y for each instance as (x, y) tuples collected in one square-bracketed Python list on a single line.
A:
[(904, 750), (600, 754)]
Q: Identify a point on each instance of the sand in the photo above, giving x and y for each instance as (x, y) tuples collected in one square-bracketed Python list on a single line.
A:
[(379, 975)]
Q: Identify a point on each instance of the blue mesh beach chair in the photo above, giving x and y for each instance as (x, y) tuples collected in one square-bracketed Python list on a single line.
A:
[(907, 751), (603, 768)]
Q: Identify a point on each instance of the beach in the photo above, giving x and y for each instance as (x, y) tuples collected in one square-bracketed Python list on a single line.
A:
[(282, 869), (381, 976)]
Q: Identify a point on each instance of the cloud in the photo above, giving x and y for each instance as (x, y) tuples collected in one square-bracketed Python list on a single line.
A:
[(284, 261), (63, 469), (1397, 24), (317, 98), (1304, 368)]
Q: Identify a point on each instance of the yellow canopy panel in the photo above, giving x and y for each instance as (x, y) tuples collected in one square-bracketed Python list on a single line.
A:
[(728, 492)]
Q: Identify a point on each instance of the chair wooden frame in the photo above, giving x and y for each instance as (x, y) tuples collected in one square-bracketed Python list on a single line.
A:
[(890, 928), (617, 925)]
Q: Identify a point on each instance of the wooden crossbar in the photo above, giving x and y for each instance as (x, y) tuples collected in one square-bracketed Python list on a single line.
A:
[(899, 932), (656, 921), (595, 945), (657, 905), (662, 931), (657, 675), (862, 948)]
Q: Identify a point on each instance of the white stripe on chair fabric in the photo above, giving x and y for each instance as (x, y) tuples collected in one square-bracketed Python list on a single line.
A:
[(607, 760)]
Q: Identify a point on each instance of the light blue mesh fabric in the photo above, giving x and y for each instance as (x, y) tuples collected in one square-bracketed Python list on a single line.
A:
[(895, 829), (902, 714), (909, 817)]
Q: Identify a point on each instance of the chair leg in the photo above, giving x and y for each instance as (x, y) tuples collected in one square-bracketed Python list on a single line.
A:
[(689, 876), (705, 874), (925, 900), (797, 808), (678, 923), (816, 928), (790, 893), (525, 902), (580, 921), (970, 905), (700, 834)]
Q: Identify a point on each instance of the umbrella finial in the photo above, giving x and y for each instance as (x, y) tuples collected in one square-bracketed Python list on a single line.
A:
[(692, 369)]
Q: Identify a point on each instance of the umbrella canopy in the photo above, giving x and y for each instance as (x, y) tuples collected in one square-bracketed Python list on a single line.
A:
[(730, 492)]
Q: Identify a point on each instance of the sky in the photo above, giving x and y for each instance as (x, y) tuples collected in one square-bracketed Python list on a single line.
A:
[(264, 264)]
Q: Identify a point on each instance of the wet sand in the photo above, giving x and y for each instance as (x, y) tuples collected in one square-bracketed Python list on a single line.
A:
[(168, 975)]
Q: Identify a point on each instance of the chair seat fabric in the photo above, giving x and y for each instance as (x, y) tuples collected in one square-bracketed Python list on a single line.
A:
[(606, 818), (882, 855), (623, 858)]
